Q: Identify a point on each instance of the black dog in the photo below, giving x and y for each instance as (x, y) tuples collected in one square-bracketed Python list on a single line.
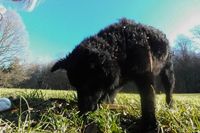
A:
[(122, 52)]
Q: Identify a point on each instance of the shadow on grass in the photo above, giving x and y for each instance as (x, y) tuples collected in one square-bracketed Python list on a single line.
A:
[(36, 108), (130, 124)]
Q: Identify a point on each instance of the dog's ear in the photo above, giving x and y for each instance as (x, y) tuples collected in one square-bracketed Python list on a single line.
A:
[(61, 64)]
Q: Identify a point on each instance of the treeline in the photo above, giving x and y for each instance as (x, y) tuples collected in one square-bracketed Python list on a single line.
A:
[(32, 76), (186, 66)]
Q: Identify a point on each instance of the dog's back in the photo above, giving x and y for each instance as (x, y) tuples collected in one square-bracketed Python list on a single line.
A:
[(134, 47)]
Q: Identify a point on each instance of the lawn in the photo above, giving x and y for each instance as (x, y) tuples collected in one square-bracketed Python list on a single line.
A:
[(56, 111)]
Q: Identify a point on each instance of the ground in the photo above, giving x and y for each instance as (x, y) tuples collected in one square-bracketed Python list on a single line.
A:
[(56, 111)]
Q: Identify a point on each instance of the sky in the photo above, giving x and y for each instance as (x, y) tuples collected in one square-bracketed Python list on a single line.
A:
[(55, 27)]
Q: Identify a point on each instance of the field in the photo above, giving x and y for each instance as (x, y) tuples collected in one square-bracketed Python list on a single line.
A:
[(56, 111)]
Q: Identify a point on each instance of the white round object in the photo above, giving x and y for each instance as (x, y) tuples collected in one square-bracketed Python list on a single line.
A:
[(5, 104)]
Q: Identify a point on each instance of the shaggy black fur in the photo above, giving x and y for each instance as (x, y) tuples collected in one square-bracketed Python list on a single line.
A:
[(122, 52)]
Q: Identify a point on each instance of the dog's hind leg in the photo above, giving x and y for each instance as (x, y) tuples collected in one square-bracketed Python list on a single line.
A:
[(168, 80)]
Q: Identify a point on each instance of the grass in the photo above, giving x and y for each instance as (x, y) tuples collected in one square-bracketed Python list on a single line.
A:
[(56, 111)]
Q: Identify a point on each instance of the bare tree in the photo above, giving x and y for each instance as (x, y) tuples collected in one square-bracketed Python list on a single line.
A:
[(41, 77), (183, 47), (196, 38), (196, 31), (13, 37), (186, 65), (13, 75)]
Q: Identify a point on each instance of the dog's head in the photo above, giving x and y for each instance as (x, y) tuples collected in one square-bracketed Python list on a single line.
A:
[(84, 67), (87, 73)]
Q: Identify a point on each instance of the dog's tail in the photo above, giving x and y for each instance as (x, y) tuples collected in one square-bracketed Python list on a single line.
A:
[(61, 64)]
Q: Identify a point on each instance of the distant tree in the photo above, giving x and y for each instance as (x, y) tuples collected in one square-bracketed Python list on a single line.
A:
[(13, 38), (13, 75), (196, 38), (57, 80), (186, 64), (184, 46), (33, 71), (196, 31), (41, 77)]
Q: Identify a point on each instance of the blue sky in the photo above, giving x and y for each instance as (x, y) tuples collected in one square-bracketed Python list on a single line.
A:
[(56, 26)]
